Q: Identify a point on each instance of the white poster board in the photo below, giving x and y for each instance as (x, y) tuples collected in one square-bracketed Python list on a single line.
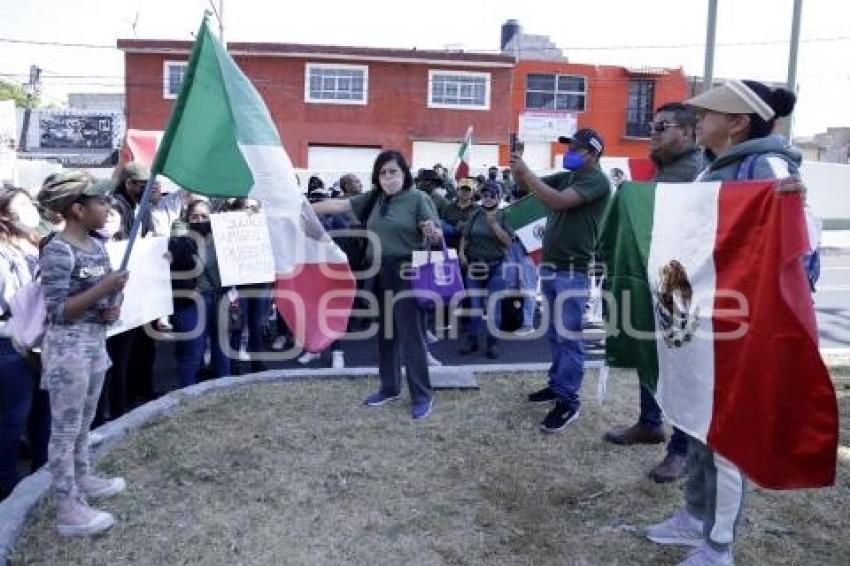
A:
[(147, 295), (243, 248)]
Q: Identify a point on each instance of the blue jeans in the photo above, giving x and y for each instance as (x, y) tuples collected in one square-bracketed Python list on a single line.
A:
[(567, 369), (650, 414), (190, 352), (22, 405), (254, 312), (493, 283)]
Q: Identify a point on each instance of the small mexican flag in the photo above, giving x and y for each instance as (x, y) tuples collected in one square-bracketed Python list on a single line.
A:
[(462, 170), (527, 218), (711, 304), (220, 141)]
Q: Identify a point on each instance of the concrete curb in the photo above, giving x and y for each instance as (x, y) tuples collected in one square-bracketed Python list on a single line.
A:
[(29, 493)]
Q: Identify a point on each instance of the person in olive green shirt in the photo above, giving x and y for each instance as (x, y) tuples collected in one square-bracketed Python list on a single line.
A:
[(457, 213), (576, 200), (428, 181), (402, 220), (484, 245)]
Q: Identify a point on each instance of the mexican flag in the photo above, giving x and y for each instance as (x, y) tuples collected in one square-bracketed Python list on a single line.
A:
[(220, 141), (462, 169), (633, 168), (527, 218), (711, 304)]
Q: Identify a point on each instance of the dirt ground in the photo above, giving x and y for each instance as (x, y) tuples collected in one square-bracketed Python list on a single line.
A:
[(303, 473)]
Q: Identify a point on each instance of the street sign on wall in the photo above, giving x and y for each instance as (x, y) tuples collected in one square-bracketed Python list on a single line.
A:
[(546, 125)]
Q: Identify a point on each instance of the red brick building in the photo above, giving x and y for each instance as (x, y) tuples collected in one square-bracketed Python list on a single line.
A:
[(336, 107)]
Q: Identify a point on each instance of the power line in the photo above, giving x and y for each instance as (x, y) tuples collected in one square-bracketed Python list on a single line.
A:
[(491, 50)]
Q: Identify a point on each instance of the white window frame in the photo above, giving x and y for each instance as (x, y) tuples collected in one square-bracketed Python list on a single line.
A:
[(557, 92), (487, 89), (307, 72), (166, 73)]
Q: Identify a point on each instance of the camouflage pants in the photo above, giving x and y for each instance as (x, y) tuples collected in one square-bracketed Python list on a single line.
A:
[(75, 361)]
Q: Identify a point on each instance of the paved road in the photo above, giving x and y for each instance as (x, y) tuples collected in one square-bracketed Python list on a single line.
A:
[(832, 301)]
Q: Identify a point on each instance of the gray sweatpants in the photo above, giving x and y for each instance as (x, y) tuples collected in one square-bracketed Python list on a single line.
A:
[(714, 494)]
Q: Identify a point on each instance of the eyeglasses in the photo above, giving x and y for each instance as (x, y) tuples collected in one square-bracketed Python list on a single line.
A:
[(661, 127)]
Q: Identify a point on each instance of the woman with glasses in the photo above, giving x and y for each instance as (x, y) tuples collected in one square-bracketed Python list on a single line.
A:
[(401, 221), (484, 245)]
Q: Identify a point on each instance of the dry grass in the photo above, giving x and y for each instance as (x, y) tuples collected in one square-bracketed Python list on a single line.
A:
[(303, 474)]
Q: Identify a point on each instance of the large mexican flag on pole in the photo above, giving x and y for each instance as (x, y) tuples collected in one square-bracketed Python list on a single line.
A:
[(712, 306), (221, 141)]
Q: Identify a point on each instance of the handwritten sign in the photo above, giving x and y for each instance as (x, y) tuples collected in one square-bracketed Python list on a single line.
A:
[(243, 248), (147, 295)]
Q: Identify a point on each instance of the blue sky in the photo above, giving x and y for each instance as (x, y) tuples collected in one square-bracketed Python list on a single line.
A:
[(602, 31)]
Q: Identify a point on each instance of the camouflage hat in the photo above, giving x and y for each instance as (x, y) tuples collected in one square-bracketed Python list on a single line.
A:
[(135, 171), (61, 190), (467, 184)]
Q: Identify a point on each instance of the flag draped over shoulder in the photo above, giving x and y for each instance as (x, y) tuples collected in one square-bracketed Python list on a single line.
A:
[(712, 306), (220, 141)]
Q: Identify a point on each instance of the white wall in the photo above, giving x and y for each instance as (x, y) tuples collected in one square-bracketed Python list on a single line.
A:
[(828, 187), (427, 153)]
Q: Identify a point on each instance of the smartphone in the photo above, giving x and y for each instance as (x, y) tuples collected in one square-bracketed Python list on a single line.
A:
[(513, 143)]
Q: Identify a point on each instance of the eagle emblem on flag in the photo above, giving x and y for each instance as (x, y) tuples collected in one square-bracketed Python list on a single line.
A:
[(677, 318)]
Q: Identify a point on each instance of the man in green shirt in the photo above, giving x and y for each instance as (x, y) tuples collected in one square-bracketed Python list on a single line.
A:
[(576, 199), (428, 181)]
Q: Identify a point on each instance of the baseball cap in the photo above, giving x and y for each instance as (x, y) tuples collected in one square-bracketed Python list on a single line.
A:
[(61, 190), (491, 188), (135, 171), (733, 97), (587, 137), (467, 184)]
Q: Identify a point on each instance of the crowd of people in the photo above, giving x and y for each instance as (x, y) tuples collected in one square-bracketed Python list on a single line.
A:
[(82, 377)]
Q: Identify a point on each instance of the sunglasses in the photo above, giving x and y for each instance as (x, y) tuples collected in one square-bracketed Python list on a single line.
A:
[(661, 127)]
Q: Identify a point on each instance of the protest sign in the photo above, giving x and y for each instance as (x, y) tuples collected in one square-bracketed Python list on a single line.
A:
[(243, 248), (147, 295)]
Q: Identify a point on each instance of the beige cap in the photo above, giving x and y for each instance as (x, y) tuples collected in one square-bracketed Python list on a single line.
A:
[(733, 97)]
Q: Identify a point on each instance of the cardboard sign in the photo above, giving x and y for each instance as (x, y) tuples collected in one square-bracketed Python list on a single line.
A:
[(147, 295), (243, 248)]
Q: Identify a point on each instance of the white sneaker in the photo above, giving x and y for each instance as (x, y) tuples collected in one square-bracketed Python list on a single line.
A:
[(76, 519), (432, 361), (95, 438), (308, 357), (94, 486), (338, 359), (279, 343), (704, 555), (430, 337), (524, 331), (682, 528)]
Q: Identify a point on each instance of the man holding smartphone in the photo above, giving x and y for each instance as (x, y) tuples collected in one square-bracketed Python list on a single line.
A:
[(575, 200)]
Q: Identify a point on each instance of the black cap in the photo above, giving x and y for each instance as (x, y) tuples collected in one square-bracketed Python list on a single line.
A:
[(587, 137), (428, 175)]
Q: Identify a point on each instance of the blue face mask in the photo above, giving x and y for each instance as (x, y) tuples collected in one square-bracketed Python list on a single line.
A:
[(573, 160)]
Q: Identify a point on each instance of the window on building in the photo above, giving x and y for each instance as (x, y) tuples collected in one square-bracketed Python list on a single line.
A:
[(336, 84), (641, 107), (555, 92), (172, 78), (457, 89)]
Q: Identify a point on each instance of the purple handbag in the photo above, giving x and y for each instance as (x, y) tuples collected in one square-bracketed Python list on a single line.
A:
[(437, 280)]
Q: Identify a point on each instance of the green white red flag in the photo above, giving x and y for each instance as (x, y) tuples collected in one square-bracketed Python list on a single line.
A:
[(711, 276), (221, 141), (462, 169)]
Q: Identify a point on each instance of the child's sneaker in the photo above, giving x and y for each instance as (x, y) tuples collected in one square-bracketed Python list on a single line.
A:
[(94, 486), (76, 519)]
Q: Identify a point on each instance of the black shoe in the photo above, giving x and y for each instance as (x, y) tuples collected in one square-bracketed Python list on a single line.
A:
[(559, 417), (258, 366), (492, 351), (545, 395), (471, 346)]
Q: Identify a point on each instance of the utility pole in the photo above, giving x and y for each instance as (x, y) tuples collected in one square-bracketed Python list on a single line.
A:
[(792, 58), (32, 89), (710, 40)]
